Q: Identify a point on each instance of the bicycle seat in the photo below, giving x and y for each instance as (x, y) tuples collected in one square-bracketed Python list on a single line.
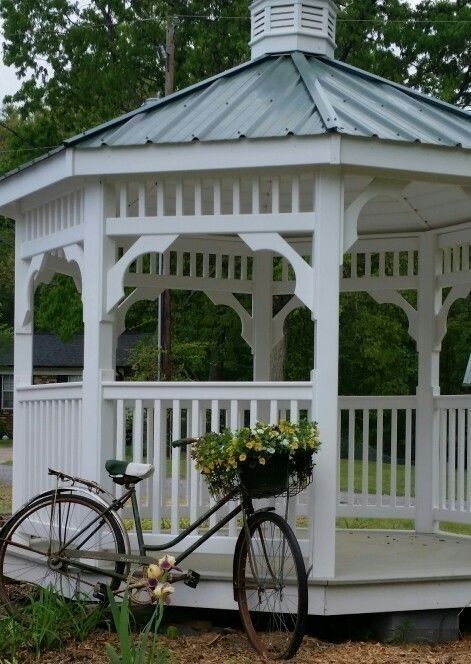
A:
[(124, 472)]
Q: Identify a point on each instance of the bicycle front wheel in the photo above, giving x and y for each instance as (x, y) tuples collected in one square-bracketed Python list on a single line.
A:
[(271, 586), (49, 544)]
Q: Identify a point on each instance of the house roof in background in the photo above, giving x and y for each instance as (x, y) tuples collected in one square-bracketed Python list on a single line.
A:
[(49, 352)]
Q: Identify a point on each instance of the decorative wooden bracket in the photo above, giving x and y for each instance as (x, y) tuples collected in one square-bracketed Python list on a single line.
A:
[(377, 187), (229, 300), (279, 320), (144, 245), (394, 297), (457, 292), (26, 293), (304, 273), (137, 295)]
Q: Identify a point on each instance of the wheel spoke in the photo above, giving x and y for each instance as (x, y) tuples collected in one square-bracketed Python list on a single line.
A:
[(272, 601), (30, 558)]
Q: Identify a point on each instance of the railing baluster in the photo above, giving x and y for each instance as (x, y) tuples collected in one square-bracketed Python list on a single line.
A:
[(393, 468), (215, 427), (365, 450), (137, 439), (351, 456), (408, 459), (443, 459), (253, 412), (273, 411), (461, 432), (194, 475), (158, 478), (175, 509), (451, 459), (379, 456)]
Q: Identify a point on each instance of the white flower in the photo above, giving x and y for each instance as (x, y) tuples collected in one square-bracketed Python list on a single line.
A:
[(163, 592), (167, 563), (271, 450)]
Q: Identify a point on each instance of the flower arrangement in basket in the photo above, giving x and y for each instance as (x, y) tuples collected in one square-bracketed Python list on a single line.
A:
[(267, 460)]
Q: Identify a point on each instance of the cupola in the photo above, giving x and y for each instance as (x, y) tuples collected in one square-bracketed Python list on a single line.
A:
[(293, 25)]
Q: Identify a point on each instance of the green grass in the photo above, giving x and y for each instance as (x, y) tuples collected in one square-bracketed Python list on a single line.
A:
[(8, 463), (386, 477), (6, 443), (5, 499)]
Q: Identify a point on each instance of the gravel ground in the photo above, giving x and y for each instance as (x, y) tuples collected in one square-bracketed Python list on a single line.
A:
[(233, 649)]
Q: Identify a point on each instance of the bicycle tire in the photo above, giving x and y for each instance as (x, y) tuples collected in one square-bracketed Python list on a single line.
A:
[(26, 568), (275, 632)]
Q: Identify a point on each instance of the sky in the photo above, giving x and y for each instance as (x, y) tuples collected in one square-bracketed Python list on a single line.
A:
[(9, 83)]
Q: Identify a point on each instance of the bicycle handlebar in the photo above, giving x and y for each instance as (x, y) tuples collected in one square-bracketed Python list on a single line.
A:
[(184, 442)]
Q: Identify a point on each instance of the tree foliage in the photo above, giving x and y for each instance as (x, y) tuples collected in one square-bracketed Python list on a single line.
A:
[(84, 63)]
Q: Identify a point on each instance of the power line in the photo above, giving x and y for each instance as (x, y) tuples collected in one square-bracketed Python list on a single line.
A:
[(215, 19)]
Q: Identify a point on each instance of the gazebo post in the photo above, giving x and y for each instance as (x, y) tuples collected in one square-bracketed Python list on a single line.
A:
[(428, 346), (23, 368), (99, 344), (262, 314), (326, 258)]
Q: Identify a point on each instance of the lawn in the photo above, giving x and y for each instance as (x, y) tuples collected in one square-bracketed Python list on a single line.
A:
[(5, 499), (386, 476), (6, 443)]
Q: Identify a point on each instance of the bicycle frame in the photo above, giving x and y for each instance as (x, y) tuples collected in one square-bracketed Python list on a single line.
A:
[(130, 494)]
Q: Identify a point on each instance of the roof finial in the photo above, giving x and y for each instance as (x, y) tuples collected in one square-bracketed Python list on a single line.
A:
[(293, 25)]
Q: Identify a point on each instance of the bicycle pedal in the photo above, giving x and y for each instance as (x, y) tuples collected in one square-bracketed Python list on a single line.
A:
[(192, 579), (99, 592)]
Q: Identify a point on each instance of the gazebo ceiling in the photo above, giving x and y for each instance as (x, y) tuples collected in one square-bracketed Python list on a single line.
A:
[(287, 94)]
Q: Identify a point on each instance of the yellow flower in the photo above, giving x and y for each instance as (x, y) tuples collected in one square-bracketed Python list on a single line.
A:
[(242, 457), (154, 572), (261, 461), (250, 444)]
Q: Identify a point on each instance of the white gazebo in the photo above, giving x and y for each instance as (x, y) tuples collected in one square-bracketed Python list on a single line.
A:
[(293, 174)]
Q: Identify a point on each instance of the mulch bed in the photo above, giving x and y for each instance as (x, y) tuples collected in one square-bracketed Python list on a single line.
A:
[(233, 649)]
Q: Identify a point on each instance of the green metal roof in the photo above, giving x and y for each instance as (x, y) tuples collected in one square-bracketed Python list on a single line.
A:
[(282, 95), (287, 94)]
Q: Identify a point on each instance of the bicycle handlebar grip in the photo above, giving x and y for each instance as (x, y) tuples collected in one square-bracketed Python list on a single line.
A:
[(184, 442)]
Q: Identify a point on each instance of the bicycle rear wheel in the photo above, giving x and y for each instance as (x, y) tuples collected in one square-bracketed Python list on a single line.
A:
[(32, 556), (271, 586)]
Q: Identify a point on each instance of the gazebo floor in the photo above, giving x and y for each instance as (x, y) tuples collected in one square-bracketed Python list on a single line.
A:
[(376, 571)]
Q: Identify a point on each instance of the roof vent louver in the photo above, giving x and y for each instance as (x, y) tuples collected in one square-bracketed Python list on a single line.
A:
[(293, 25)]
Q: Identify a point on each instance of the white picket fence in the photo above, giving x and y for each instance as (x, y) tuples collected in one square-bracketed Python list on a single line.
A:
[(377, 448), (48, 434), (376, 471), (454, 494)]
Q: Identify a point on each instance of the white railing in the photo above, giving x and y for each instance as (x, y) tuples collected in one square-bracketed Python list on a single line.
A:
[(377, 446), (50, 421), (377, 438), (454, 494), (151, 415)]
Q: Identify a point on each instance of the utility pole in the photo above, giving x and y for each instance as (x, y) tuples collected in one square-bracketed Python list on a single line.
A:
[(166, 302)]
